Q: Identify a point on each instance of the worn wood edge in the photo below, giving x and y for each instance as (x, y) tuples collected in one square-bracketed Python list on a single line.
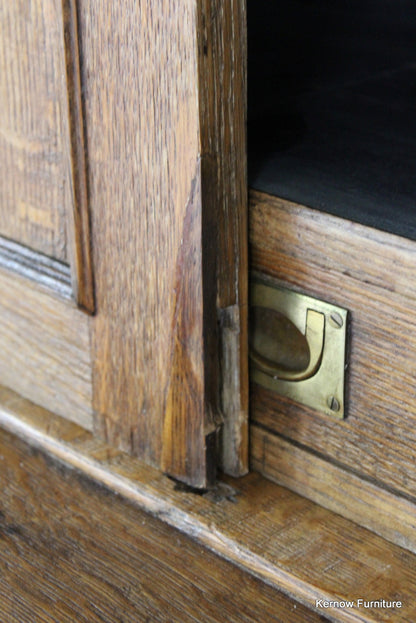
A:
[(44, 271), (222, 58), (308, 224), (389, 515), (71, 550), (188, 451), (164, 510), (233, 435), (148, 489), (78, 221)]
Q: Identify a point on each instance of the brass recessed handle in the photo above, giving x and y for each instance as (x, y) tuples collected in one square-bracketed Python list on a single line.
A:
[(298, 346), (280, 350)]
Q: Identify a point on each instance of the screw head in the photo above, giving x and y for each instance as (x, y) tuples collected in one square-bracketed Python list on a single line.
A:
[(336, 320), (333, 403)]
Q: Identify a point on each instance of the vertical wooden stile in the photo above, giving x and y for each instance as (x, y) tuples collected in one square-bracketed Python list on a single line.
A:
[(168, 206), (222, 50)]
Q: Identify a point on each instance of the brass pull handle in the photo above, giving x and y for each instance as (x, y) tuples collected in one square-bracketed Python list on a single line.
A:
[(268, 344), (298, 346)]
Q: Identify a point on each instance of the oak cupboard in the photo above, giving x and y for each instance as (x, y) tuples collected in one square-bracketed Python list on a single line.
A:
[(123, 224), (123, 311)]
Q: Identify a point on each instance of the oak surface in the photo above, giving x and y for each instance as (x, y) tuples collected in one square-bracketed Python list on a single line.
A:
[(222, 53), (44, 338), (43, 188), (156, 201), (285, 540), (149, 106), (78, 218), (372, 274), (35, 193), (341, 490), (145, 188), (73, 551)]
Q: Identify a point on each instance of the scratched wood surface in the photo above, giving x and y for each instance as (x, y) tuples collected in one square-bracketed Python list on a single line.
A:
[(35, 193), (287, 541), (373, 275), (155, 247), (72, 551)]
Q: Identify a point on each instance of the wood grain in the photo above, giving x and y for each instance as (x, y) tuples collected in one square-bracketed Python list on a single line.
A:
[(142, 130), (186, 389), (222, 52), (44, 339), (342, 491), (78, 217), (154, 228), (372, 274), (72, 551), (288, 542), (35, 185)]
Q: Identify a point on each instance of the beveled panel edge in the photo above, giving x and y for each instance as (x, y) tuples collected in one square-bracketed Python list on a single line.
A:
[(78, 221), (41, 269)]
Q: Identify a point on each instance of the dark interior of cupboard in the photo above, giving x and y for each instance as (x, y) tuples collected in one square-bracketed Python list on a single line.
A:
[(332, 107)]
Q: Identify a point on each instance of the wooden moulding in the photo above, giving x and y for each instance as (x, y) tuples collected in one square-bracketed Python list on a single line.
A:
[(70, 551), (286, 541), (332, 486), (168, 228), (46, 272), (362, 466), (78, 218)]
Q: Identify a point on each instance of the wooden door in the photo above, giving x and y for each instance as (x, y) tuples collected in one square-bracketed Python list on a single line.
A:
[(122, 223)]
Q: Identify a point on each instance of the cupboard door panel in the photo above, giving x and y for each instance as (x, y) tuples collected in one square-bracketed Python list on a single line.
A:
[(35, 192), (141, 100), (156, 176), (44, 223), (43, 193)]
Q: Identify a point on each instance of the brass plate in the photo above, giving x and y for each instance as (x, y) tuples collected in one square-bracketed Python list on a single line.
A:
[(324, 390)]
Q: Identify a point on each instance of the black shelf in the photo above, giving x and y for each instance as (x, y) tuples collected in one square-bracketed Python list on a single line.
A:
[(332, 107)]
